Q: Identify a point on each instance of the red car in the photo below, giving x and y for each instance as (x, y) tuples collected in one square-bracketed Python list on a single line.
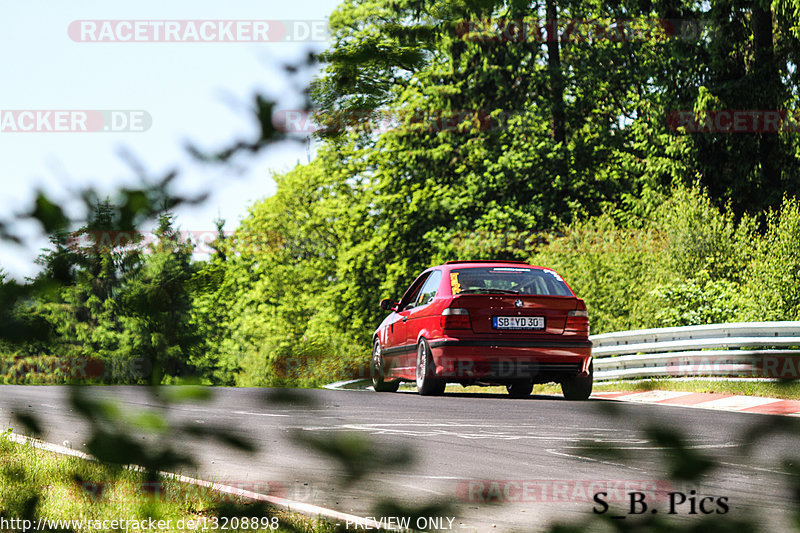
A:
[(486, 323)]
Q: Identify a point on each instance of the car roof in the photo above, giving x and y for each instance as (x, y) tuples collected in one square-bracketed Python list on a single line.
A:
[(485, 263)]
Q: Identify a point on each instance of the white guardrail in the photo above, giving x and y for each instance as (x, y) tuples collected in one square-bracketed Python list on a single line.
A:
[(746, 349)]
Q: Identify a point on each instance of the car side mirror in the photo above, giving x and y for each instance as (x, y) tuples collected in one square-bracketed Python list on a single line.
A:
[(388, 304)]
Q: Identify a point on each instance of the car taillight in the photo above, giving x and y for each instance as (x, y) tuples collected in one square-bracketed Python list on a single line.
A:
[(577, 323), (455, 318)]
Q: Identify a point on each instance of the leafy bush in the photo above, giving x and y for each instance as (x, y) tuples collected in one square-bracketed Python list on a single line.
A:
[(607, 265), (681, 265), (698, 300), (771, 290)]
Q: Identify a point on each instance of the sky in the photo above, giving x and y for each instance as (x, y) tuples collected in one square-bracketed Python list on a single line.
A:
[(185, 88)]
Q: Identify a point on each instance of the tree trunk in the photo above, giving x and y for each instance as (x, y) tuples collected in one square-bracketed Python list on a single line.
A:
[(556, 76), (767, 93)]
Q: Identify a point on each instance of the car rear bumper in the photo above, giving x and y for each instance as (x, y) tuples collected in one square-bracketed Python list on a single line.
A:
[(508, 360)]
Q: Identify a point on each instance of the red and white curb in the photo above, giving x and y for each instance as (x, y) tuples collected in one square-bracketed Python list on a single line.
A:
[(708, 400)]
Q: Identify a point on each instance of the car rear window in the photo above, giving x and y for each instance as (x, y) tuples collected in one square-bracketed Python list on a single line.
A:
[(509, 280)]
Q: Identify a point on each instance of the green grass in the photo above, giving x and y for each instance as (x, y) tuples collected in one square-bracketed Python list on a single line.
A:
[(35, 483), (771, 389)]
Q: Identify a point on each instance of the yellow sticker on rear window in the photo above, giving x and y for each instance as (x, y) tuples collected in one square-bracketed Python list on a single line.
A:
[(455, 286)]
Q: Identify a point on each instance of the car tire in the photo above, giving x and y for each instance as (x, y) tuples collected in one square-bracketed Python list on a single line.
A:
[(378, 371), (520, 389), (579, 387), (427, 382)]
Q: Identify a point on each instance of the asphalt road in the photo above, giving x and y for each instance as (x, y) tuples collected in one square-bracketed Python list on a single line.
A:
[(530, 454)]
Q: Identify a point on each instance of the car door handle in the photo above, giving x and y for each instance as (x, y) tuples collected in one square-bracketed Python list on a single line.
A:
[(405, 319)]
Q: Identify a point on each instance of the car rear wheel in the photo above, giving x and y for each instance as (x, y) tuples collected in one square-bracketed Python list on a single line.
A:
[(579, 387), (378, 371), (520, 389), (427, 382)]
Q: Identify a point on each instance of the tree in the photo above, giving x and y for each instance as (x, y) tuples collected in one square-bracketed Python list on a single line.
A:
[(155, 306)]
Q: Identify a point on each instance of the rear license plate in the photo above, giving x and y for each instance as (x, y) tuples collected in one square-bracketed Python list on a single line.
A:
[(518, 322)]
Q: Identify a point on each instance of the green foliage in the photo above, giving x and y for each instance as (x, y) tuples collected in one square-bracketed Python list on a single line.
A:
[(271, 305), (609, 266), (771, 290), (113, 309), (698, 300), (155, 306), (686, 263), (683, 264)]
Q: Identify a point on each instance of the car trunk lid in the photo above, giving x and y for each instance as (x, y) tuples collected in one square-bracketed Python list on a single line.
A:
[(485, 309)]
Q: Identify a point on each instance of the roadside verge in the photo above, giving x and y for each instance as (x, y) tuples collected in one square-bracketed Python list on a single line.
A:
[(335, 517)]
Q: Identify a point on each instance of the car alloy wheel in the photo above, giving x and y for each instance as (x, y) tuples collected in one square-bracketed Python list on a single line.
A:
[(427, 382), (378, 371)]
